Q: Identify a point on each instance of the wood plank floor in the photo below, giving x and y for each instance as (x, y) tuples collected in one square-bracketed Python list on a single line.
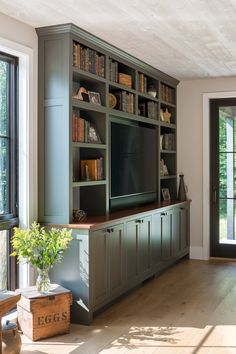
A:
[(189, 309)]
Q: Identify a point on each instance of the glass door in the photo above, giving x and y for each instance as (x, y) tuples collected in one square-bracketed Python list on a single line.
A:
[(223, 177)]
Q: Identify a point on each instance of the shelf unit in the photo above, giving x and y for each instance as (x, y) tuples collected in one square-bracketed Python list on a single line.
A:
[(75, 66)]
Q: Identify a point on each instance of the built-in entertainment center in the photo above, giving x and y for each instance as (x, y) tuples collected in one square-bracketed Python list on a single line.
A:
[(107, 166)]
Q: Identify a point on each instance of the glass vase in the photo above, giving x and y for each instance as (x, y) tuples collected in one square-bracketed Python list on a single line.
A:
[(43, 280)]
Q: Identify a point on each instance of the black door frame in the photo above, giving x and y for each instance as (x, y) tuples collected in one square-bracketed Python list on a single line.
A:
[(217, 249)]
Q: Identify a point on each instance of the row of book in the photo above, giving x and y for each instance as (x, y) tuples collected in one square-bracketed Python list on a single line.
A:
[(113, 65), (167, 141), (83, 131), (88, 59), (92, 169), (167, 93), (148, 109), (125, 101)]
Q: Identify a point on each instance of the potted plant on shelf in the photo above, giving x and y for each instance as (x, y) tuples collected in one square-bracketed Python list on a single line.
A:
[(41, 249)]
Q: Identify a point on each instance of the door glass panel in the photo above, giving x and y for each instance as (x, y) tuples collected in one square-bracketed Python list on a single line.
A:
[(4, 72), (227, 174), (3, 259), (4, 196)]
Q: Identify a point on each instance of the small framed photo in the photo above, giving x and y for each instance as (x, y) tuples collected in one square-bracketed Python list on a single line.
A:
[(94, 97), (165, 193)]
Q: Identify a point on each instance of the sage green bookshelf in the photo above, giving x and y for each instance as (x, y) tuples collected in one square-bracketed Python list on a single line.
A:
[(60, 187)]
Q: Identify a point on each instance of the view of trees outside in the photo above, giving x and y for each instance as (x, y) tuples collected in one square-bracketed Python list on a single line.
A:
[(4, 67), (227, 174), (3, 259), (3, 170)]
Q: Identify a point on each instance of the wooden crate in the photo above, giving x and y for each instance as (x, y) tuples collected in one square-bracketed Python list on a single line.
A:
[(44, 315)]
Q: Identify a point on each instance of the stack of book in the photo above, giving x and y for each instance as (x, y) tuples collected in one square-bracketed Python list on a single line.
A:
[(167, 141), (92, 169), (125, 101), (113, 70), (167, 93), (83, 131), (142, 83), (88, 59)]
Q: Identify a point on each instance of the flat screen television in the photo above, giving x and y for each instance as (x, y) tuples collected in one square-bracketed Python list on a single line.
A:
[(133, 165)]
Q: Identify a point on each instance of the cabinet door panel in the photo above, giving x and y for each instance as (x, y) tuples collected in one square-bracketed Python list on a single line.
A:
[(131, 251), (175, 234), (156, 240), (166, 221), (144, 242), (184, 228), (116, 259), (99, 266)]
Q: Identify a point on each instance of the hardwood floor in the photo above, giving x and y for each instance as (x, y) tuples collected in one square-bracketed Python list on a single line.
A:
[(189, 309)]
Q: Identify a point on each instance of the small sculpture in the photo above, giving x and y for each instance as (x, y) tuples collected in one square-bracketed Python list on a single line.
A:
[(166, 116), (78, 215), (182, 192)]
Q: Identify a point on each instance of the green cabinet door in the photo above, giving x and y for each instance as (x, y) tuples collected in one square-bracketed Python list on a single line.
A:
[(144, 245), (99, 259), (184, 228), (131, 251), (175, 233), (156, 240), (166, 228), (107, 261), (116, 259)]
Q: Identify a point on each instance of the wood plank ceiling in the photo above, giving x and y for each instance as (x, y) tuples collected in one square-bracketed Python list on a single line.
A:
[(187, 39)]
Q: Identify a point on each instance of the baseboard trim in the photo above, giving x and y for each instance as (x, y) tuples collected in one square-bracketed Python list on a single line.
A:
[(196, 253)]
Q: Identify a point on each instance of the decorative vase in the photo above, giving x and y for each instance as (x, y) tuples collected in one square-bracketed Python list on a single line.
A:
[(43, 281), (11, 339), (182, 196), (152, 91)]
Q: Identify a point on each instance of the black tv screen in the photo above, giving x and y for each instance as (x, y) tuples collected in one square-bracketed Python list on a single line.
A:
[(133, 160)]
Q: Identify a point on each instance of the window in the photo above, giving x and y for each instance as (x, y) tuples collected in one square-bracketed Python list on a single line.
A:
[(8, 167)]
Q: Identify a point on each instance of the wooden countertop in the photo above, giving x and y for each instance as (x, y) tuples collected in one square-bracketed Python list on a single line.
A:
[(92, 222)]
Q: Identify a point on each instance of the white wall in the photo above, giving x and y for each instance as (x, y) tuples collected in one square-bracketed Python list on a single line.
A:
[(21, 41), (190, 147)]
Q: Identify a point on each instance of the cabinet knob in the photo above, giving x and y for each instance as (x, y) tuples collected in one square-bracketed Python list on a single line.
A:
[(110, 230), (138, 221), (163, 214)]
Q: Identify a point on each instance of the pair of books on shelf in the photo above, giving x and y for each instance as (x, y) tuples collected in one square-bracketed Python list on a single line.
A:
[(83, 131), (125, 101), (113, 70), (148, 109), (88, 59), (92, 169), (116, 76), (167, 141), (142, 83), (167, 93)]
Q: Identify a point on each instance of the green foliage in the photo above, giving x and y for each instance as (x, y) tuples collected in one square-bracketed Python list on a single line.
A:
[(3, 128), (40, 248)]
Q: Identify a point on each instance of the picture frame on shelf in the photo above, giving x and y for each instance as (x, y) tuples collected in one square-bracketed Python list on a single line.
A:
[(94, 97), (93, 136), (165, 193)]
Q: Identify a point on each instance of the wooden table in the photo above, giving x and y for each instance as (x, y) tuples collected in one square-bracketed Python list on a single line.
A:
[(8, 300)]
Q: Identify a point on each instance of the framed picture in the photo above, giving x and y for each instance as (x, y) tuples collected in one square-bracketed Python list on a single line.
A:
[(165, 193), (94, 97)]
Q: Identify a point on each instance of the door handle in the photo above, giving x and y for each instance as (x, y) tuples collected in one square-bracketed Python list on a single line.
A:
[(214, 196)]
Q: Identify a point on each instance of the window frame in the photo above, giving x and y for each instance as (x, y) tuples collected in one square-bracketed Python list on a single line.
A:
[(10, 219)]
